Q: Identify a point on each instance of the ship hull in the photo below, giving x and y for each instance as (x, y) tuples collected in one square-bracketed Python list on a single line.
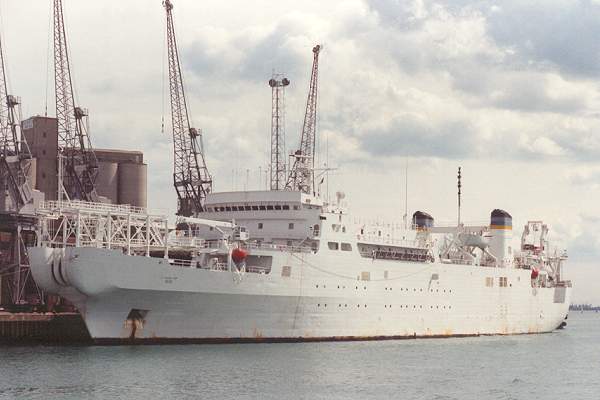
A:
[(126, 299)]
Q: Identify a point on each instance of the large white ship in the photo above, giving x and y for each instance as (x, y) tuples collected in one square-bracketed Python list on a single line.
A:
[(294, 268)]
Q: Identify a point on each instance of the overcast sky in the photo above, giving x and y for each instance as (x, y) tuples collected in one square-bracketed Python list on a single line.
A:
[(506, 89)]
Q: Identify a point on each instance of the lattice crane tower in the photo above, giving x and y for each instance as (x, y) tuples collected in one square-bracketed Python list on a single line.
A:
[(78, 166), (190, 175), (302, 175), (278, 156)]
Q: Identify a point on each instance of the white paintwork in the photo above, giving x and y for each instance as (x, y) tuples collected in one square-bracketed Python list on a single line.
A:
[(323, 297)]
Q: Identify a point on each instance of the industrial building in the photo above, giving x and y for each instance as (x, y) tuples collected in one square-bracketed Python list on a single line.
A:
[(122, 174)]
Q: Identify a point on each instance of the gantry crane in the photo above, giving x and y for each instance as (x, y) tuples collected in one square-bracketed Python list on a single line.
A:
[(190, 175), (78, 166), (15, 157), (302, 175)]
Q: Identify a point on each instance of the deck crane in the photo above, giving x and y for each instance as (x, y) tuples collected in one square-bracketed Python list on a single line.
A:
[(301, 176), (190, 175), (15, 157), (77, 162)]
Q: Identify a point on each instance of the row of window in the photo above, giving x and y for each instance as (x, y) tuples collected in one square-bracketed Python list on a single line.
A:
[(278, 207), (336, 246)]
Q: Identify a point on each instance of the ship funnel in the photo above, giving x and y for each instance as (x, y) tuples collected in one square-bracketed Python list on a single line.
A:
[(421, 220), (501, 237)]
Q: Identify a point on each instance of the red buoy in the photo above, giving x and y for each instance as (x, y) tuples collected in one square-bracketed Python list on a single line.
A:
[(238, 255), (534, 273)]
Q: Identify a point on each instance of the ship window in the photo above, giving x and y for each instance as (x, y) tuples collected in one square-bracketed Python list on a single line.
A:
[(209, 209), (333, 245), (286, 271), (211, 228), (262, 208), (278, 207), (269, 207), (503, 281), (255, 208), (286, 207), (343, 230), (378, 233), (489, 282), (346, 247), (234, 208), (227, 208), (291, 225), (247, 208), (43, 134), (316, 230), (260, 225), (296, 207)]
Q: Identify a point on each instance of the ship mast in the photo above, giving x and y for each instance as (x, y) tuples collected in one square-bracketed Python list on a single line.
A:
[(79, 167), (302, 175), (191, 178)]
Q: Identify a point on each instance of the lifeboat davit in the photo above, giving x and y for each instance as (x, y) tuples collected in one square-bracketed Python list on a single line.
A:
[(238, 255), (534, 273)]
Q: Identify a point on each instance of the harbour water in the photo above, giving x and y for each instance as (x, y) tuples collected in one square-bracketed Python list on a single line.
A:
[(560, 365)]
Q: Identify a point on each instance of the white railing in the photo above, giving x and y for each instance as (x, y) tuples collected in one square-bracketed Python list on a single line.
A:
[(381, 240), (89, 206)]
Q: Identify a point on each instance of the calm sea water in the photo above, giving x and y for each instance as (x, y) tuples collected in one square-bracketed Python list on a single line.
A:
[(561, 365)]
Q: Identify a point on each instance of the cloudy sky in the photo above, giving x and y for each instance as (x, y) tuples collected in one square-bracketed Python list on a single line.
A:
[(506, 89)]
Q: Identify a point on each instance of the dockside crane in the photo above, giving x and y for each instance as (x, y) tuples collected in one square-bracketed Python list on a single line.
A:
[(190, 175), (15, 157), (78, 166), (302, 175)]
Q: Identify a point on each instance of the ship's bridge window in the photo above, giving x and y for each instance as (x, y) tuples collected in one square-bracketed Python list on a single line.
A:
[(346, 247), (247, 208), (227, 208), (333, 245), (291, 225), (286, 207), (277, 207), (234, 208), (262, 208), (260, 225), (209, 209), (296, 207), (269, 207), (255, 208)]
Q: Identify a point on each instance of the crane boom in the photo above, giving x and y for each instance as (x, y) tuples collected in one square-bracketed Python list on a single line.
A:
[(76, 156), (15, 157), (302, 173), (191, 178)]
